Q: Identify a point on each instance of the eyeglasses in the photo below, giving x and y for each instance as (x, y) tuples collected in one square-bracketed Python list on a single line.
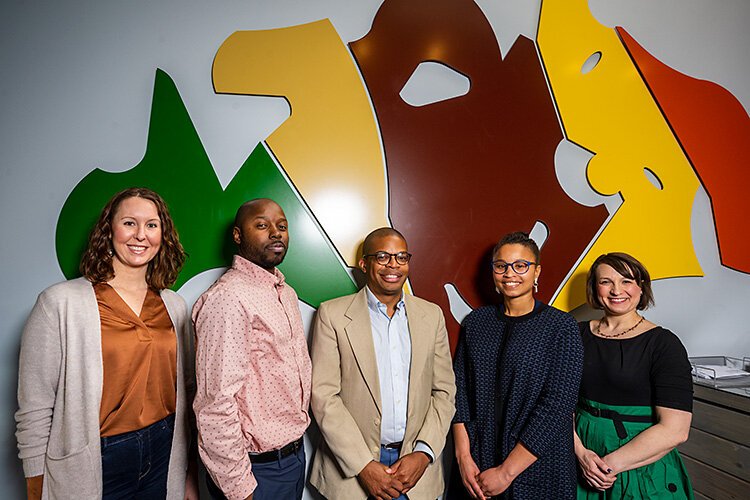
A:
[(519, 266), (384, 258)]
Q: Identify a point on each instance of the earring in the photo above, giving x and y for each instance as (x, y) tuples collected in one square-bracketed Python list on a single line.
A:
[(497, 290), (536, 285)]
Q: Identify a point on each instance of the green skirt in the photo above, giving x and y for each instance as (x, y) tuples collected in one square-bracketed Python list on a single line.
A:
[(665, 478)]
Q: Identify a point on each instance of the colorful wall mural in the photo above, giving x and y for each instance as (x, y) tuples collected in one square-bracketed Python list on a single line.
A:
[(456, 174)]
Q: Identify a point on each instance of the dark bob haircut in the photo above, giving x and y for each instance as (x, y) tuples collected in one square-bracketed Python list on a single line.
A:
[(518, 238), (629, 267), (162, 272)]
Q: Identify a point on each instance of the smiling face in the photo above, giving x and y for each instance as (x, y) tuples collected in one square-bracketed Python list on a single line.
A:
[(262, 234), (509, 283), (136, 234), (385, 280), (617, 294)]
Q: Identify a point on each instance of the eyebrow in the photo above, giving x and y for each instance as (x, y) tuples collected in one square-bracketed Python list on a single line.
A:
[(266, 218)]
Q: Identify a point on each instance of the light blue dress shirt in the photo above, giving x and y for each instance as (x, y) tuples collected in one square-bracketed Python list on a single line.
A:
[(393, 355)]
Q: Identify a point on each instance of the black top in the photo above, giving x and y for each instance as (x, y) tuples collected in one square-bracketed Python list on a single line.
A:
[(525, 394), (651, 369)]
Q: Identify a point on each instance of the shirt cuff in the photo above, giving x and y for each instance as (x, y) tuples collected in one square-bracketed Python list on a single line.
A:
[(425, 448)]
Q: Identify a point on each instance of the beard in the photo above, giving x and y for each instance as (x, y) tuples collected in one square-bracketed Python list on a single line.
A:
[(262, 255)]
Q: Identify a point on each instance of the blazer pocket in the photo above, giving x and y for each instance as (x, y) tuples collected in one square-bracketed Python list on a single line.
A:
[(71, 476)]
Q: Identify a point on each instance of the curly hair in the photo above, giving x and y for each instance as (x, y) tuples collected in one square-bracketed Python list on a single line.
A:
[(162, 272), (518, 238), (628, 267)]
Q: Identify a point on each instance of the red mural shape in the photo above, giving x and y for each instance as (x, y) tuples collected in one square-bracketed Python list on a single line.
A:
[(464, 171), (714, 131)]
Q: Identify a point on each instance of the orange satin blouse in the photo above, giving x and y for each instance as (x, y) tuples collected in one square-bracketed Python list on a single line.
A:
[(139, 354)]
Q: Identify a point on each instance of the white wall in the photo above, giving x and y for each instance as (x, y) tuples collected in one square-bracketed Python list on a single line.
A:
[(75, 94)]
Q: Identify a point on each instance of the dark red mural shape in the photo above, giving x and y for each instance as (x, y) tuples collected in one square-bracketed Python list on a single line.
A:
[(714, 131), (464, 171)]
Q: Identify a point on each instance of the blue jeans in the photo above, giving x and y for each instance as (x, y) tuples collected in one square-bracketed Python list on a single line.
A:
[(389, 457), (282, 479), (135, 464)]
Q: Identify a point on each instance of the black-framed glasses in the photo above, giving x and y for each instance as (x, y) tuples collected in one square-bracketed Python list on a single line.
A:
[(519, 266), (384, 258)]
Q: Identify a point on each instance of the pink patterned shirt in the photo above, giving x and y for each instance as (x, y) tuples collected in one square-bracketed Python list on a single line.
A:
[(253, 372)]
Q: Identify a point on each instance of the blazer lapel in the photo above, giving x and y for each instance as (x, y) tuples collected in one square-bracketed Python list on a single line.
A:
[(359, 332), (420, 349)]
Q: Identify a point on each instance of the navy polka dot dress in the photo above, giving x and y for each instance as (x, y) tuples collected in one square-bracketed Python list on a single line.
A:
[(517, 380)]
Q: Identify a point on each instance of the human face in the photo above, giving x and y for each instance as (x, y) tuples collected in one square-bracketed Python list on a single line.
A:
[(385, 280), (136, 233), (510, 283), (617, 294), (263, 235)]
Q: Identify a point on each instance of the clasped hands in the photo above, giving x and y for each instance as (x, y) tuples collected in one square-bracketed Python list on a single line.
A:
[(596, 470), (385, 483), (486, 484)]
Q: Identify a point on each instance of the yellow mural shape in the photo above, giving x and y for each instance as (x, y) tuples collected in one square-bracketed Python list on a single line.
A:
[(609, 111), (329, 146)]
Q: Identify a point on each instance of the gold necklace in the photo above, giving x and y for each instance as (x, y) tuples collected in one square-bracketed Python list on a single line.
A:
[(600, 334)]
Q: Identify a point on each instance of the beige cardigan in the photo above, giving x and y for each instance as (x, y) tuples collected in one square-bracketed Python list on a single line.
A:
[(60, 389)]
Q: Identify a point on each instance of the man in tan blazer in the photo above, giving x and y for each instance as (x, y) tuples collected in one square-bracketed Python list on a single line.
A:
[(382, 386)]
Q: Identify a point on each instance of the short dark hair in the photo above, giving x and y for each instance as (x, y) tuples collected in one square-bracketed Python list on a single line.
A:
[(629, 267), (518, 238), (247, 208), (381, 232), (96, 262)]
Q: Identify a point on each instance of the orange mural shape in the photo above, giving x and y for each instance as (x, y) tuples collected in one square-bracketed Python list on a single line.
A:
[(713, 129), (464, 171)]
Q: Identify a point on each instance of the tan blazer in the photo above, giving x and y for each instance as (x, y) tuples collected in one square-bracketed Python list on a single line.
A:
[(346, 394)]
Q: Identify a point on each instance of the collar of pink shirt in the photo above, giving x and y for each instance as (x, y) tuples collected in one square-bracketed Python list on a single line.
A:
[(257, 273)]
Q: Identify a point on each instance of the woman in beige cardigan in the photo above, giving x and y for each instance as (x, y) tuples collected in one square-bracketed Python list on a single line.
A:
[(106, 366)]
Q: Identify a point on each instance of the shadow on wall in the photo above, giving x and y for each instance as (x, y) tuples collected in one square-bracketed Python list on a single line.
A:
[(17, 488)]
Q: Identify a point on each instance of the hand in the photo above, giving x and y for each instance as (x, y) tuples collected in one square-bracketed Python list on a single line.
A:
[(34, 487), (409, 468), (378, 481), (191, 481), (250, 497), (596, 471), (494, 481), (469, 473)]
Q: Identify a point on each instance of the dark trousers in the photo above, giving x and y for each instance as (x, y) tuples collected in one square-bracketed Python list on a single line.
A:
[(281, 479), (135, 464)]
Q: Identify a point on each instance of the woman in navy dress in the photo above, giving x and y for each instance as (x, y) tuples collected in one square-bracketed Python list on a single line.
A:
[(518, 367)]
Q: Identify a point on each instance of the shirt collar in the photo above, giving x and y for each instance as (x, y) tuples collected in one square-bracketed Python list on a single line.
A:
[(257, 273), (375, 305)]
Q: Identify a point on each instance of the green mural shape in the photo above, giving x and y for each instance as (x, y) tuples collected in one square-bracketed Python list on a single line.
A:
[(177, 167)]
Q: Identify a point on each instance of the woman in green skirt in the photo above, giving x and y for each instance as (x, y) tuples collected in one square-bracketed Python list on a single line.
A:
[(636, 392)]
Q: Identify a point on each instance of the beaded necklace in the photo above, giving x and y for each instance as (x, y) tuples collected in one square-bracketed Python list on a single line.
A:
[(600, 334)]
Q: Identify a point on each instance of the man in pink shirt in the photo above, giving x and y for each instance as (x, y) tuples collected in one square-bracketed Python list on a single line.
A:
[(252, 367)]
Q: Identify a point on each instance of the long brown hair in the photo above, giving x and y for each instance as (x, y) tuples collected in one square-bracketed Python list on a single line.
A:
[(162, 272)]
